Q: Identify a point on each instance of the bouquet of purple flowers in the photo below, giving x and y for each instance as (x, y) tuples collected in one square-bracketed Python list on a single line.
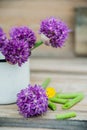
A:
[(18, 48)]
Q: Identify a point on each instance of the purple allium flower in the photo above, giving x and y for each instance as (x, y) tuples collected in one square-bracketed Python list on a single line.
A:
[(23, 33), (16, 51), (3, 39), (56, 30), (32, 101)]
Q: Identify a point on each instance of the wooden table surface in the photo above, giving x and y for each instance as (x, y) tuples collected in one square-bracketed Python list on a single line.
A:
[(68, 75)]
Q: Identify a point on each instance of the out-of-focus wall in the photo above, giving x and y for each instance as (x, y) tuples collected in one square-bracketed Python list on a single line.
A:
[(31, 12)]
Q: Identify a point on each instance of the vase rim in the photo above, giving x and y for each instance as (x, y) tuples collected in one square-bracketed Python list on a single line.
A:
[(2, 60)]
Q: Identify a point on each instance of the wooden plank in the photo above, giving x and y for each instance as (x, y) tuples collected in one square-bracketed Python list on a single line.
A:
[(74, 66), (21, 128), (80, 109), (50, 124), (59, 78)]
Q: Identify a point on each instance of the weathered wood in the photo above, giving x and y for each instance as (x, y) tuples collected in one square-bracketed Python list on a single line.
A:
[(10, 111), (73, 66), (21, 128), (50, 124)]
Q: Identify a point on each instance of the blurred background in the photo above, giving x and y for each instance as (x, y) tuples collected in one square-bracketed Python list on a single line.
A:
[(31, 12)]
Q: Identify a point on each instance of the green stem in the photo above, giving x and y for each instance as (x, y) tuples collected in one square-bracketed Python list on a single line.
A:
[(51, 105), (58, 100), (65, 115), (39, 43), (67, 95), (46, 83), (73, 101)]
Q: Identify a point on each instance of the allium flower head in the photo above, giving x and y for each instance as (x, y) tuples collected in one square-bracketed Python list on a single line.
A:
[(32, 101), (16, 51), (23, 33), (3, 39), (56, 30)]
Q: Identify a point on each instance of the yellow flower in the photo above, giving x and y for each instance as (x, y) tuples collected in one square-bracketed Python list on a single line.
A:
[(50, 92)]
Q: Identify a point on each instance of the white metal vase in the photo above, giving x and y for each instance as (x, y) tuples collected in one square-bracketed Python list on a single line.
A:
[(12, 79)]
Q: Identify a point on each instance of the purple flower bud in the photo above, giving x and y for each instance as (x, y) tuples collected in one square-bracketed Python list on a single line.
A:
[(3, 39), (23, 33), (16, 51), (56, 30), (32, 101)]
